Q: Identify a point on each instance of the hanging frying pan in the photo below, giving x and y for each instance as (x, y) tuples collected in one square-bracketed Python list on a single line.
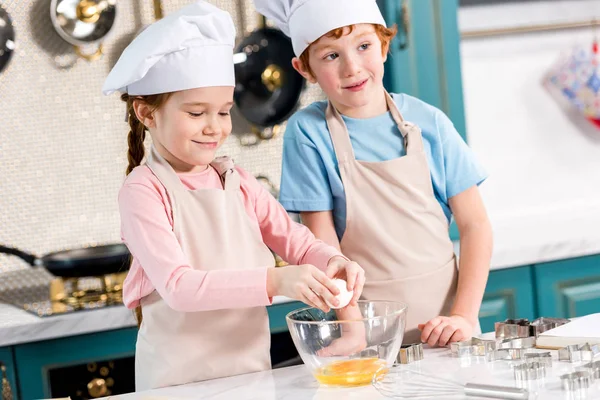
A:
[(84, 23), (81, 262), (267, 86), (7, 38)]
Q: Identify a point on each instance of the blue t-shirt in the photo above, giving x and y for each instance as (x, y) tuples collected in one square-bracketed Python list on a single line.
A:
[(311, 181)]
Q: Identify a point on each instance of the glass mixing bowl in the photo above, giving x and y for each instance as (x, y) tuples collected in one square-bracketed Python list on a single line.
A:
[(347, 347)]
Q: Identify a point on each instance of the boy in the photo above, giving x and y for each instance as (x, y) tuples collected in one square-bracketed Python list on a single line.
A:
[(382, 188)]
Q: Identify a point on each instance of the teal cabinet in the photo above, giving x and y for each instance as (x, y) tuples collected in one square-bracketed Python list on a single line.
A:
[(509, 294), (424, 59), (35, 360), (7, 357), (569, 288), (277, 313)]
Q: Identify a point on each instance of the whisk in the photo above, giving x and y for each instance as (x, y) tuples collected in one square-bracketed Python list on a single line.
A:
[(399, 383)]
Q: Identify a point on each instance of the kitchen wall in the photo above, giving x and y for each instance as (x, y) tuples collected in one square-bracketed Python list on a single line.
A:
[(542, 156), (63, 144)]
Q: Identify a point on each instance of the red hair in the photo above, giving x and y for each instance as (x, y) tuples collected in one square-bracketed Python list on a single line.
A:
[(384, 34)]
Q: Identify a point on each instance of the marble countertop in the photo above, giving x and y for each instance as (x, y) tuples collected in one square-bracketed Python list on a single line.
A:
[(297, 383)]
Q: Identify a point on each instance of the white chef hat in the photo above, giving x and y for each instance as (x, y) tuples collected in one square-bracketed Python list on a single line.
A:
[(187, 49), (304, 21)]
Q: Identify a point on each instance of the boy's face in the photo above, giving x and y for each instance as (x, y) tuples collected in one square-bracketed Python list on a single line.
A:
[(349, 69)]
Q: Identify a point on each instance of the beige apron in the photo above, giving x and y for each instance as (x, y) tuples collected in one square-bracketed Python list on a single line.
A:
[(214, 232), (395, 228)]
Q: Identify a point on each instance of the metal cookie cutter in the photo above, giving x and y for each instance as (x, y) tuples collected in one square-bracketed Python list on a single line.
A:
[(544, 358), (409, 353), (473, 347), (593, 368), (579, 352), (507, 354), (512, 328), (544, 324), (576, 381), (518, 343), (530, 371)]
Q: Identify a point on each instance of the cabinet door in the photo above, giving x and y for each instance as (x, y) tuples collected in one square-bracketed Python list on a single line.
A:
[(569, 288), (277, 313), (35, 360), (424, 59), (6, 356), (508, 294)]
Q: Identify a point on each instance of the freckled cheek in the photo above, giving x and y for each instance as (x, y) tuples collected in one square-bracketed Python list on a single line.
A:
[(329, 79)]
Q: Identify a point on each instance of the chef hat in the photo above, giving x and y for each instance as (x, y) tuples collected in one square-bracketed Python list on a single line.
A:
[(187, 49), (307, 20)]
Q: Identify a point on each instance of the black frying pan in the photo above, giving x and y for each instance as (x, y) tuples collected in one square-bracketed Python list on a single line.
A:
[(267, 86), (77, 263), (7, 38)]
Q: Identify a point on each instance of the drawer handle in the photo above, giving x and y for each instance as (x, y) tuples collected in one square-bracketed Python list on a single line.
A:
[(404, 22), (6, 390)]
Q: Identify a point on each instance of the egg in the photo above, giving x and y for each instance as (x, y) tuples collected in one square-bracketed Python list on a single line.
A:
[(344, 297)]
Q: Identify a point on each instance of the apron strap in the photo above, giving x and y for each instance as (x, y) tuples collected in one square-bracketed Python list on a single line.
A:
[(342, 145), (339, 135), (163, 171), (169, 179)]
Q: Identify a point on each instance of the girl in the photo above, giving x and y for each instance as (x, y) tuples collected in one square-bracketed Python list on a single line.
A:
[(382, 188), (198, 227)]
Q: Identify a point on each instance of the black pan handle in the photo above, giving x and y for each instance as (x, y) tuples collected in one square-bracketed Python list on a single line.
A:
[(29, 258)]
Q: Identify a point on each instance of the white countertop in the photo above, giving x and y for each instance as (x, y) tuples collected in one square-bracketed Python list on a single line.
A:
[(533, 237), (19, 326), (297, 383), (544, 234)]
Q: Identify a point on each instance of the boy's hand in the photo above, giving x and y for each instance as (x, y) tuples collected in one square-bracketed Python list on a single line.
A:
[(440, 331), (351, 272)]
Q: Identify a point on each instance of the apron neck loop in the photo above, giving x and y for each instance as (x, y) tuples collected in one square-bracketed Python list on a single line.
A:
[(225, 167), (341, 139), (169, 179), (410, 132)]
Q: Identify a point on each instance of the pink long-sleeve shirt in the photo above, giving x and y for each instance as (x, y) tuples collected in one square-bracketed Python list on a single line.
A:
[(160, 264)]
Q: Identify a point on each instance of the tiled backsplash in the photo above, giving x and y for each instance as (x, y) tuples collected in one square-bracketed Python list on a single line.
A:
[(63, 144)]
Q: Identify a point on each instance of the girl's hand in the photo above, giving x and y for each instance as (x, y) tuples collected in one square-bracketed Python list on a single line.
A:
[(305, 283), (351, 272), (443, 330)]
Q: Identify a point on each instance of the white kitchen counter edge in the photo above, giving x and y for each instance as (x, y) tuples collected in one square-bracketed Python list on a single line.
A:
[(19, 326), (530, 237)]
